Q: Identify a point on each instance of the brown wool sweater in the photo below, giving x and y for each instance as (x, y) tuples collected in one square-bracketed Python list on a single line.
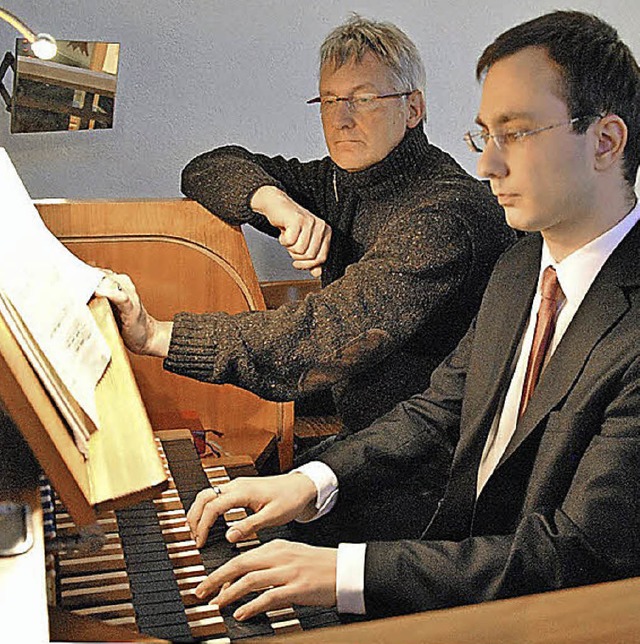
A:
[(414, 241)]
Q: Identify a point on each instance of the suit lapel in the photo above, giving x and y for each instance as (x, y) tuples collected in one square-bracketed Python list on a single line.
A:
[(500, 324), (602, 307)]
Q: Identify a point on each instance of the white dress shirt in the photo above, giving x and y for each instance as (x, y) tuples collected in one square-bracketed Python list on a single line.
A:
[(576, 273)]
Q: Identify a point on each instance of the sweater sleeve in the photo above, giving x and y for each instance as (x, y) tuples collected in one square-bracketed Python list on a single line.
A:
[(411, 274), (225, 179), (423, 429)]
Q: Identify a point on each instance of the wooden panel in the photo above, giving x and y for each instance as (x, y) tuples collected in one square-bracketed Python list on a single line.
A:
[(122, 466), (32, 411), (286, 291), (123, 462), (182, 259), (68, 627), (598, 614)]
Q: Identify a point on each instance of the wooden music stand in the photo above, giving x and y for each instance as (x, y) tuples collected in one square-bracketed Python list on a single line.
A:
[(123, 466)]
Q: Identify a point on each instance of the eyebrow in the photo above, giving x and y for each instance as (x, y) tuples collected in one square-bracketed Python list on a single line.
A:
[(503, 119), (363, 86)]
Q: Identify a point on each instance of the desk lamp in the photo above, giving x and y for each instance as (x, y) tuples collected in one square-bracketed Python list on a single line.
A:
[(42, 45)]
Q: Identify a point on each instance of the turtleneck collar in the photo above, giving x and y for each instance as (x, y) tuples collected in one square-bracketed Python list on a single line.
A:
[(393, 171)]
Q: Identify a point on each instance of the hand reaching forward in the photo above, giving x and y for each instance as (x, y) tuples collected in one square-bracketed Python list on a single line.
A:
[(140, 332), (306, 237), (286, 573), (275, 500)]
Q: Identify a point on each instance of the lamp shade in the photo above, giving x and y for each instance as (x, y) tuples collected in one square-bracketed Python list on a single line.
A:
[(42, 45)]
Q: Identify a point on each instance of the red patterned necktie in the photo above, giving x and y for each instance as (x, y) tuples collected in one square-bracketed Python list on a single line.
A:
[(550, 292)]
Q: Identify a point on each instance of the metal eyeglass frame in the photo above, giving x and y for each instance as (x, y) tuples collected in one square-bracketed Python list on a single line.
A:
[(352, 101), (504, 139)]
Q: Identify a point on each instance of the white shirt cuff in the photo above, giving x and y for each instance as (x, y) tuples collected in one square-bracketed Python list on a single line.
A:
[(350, 578), (326, 484)]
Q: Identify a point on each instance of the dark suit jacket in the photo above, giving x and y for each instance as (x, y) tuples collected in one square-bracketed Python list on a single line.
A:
[(563, 506)]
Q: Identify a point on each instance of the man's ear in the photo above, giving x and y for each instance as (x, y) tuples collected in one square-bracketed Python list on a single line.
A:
[(417, 108), (611, 140)]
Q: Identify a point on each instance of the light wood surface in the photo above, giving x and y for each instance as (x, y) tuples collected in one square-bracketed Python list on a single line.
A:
[(123, 463), (122, 466), (181, 258), (599, 614)]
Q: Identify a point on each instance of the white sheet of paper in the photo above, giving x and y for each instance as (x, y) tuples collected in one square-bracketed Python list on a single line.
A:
[(50, 287)]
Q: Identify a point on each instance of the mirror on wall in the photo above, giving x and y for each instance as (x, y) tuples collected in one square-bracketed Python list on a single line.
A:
[(75, 90)]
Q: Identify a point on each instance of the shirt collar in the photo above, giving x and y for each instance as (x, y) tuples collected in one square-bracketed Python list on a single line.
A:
[(577, 271)]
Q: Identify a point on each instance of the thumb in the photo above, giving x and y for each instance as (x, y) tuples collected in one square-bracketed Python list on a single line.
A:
[(110, 288), (288, 236), (244, 529)]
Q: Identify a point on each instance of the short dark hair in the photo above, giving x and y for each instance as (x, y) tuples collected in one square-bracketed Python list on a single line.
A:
[(601, 75)]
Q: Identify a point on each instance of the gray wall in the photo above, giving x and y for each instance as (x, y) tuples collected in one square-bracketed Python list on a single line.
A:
[(195, 75)]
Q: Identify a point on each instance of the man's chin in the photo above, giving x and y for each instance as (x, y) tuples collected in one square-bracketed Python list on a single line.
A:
[(518, 220), (349, 159), (350, 165)]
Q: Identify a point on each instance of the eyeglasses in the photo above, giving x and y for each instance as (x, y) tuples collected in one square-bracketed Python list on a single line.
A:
[(478, 141), (357, 104)]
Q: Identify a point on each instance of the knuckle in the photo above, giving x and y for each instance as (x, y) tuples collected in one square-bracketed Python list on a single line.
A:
[(273, 596), (203, 495), (244, 527), (250, 580)]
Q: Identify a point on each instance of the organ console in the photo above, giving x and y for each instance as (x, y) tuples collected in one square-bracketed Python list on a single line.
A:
[(138, 584), (181, 258)]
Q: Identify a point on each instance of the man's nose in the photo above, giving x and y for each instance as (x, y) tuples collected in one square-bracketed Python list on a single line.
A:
[(491, 163), (343, 115)]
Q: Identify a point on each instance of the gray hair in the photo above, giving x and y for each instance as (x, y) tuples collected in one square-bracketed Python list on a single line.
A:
[(352, 40)]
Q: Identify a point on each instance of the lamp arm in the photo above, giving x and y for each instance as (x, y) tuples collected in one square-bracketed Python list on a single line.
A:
[(17, 24), (42, 45)]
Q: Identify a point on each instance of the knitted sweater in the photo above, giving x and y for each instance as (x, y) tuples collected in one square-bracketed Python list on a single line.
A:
[(414, 241)]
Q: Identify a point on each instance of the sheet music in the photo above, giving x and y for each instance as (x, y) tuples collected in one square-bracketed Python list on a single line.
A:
[(78, 422), (49, 288)]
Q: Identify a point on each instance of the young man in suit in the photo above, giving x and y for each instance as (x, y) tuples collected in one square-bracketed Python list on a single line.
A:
[(543, 470)]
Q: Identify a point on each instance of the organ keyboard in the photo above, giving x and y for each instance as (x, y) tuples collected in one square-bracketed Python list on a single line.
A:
[(145, 574)]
